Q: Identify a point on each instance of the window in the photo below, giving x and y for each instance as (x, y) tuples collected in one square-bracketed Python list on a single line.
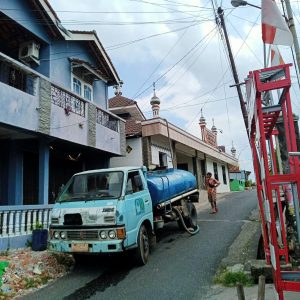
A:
[(134, 183), (216, 170), (87, 93), (224, 175), (82, 88), (76, 86), (163, 162)]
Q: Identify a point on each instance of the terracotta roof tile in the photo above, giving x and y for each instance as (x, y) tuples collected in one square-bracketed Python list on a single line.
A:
[(132, 127), (119, 101), (234, 168)]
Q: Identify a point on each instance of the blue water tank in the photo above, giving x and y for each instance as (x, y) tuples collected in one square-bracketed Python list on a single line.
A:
[(167, 184)]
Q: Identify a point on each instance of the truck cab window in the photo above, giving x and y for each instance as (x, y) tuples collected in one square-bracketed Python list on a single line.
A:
[(134, 183)]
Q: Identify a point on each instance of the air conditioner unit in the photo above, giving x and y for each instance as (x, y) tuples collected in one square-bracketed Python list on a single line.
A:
[(29, 52)]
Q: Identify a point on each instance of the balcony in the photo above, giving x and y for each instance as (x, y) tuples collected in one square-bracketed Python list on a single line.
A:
[(30, 101)]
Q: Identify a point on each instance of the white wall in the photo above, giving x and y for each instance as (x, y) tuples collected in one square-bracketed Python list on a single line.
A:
[(222, 188), (134, 158), (183, 159), (157, 147)]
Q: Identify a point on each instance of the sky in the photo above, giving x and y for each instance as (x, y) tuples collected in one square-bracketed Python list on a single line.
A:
[(177, 45)]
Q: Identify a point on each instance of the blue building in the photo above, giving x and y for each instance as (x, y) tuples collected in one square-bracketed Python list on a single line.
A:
[(54, 118)]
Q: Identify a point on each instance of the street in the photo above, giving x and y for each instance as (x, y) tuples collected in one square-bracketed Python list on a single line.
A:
[(181, 266)]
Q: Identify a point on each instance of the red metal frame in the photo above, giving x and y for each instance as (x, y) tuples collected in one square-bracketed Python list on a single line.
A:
[(262, 131)]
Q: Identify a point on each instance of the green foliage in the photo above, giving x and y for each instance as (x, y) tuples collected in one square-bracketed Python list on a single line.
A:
[(3, 266), (45, 279), (230, 279), (28, 243), (248, 183), (37, 225), (30, 283)]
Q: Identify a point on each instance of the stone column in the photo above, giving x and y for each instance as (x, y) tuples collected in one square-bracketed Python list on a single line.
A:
[(146, 150), (122, 138), (45, 106), (92, 117)]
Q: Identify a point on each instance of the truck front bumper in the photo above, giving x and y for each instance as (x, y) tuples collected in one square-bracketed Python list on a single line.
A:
[(92, 246)]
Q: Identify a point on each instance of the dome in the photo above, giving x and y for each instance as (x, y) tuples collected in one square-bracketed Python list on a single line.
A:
[(233, 151), (154, 100), (202, 119)]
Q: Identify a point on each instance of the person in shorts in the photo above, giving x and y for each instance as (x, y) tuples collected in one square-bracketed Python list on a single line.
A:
[(211, 185)]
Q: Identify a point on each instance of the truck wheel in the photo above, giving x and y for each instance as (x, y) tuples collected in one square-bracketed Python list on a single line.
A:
[(191, 220), (142, 251)]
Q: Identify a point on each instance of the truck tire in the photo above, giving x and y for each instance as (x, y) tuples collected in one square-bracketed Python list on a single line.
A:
[(191, 220), (141, 253)]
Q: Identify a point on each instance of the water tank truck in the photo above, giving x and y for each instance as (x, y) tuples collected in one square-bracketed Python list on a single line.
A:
[(120, 209)]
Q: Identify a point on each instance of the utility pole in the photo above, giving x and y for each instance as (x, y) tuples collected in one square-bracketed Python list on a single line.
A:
[(235, 75), (293, 31)]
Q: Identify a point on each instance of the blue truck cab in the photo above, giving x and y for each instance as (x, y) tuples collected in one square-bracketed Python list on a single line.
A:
[(111, 210)]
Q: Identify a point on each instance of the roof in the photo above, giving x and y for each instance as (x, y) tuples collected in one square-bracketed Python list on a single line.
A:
[(54, 25), (234, 169), (133, 128), (119, 100)]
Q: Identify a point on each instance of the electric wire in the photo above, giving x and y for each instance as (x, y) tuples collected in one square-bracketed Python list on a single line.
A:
[(173, 66), (161, 62), (191, 64)]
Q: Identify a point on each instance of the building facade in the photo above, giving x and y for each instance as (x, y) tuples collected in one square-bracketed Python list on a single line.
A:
[(156, 143), (54, 118)]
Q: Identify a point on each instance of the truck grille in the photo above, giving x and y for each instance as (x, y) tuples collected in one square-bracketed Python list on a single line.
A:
[(109, 219), (54, 220), (83, 235)]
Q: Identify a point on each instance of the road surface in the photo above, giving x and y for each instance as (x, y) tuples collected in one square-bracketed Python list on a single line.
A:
[(181, 267)]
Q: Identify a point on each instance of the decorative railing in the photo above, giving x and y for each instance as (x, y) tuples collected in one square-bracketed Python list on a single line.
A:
[(68, 101), (22, 220), (106, 120)]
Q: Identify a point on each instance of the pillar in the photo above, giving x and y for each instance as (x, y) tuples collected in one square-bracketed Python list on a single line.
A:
[(43, 172), (15, 174)]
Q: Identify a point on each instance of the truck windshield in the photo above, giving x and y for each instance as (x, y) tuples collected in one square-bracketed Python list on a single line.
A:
[(93, 186)]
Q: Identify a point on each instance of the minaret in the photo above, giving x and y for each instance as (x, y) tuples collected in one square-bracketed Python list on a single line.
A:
[(233, 150), (214, 128), (202, 124), (155, 102)]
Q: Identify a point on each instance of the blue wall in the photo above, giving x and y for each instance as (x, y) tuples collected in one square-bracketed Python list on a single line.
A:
[(60, 73), (20, 11), (100, 93)]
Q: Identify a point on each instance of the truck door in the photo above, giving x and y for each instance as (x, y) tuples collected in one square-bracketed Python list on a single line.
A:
[(137, 202)]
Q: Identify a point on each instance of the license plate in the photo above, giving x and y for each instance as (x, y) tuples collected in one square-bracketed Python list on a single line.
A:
[(82, 247)]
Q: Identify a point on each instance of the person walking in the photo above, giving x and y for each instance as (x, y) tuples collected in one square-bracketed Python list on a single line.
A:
[(211, 185)]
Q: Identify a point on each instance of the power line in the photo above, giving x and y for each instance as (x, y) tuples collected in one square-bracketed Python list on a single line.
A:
[(192, 63), (160, 63), (117, 46), (165, 73)]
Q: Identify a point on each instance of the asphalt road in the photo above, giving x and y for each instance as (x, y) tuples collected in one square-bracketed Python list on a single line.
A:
[(181, 267)]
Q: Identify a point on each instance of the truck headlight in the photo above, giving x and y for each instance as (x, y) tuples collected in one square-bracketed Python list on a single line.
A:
[(111, 234), (103, 235), (63, 235), (56, 235)]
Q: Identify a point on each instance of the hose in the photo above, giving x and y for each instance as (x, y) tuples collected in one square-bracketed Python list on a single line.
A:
[(191, 232)]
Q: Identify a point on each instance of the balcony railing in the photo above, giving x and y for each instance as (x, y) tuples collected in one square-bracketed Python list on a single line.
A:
[(68, 101), (22, 220), (106, 120)]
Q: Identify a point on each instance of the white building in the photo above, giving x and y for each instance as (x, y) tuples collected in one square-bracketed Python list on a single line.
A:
[(158, 143)]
